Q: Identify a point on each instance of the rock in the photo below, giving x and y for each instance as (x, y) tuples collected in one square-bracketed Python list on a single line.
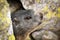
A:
[(15, 5), (6, 30), (44, 35)]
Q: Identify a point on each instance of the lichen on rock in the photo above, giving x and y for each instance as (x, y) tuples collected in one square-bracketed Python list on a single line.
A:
[(5, 21)]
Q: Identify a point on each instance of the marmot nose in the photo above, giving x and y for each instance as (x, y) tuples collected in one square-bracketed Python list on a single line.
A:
[(43, 35)]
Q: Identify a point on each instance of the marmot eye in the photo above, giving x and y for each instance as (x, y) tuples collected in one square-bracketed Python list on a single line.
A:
[(28, 17)]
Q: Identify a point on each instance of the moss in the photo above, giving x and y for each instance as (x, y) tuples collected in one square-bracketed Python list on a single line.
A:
[(11, 37)]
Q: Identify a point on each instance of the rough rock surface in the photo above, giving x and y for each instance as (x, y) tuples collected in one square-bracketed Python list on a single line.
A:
[(6, 30)]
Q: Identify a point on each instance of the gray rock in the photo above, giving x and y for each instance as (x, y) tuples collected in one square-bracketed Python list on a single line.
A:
[(44, 35)]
